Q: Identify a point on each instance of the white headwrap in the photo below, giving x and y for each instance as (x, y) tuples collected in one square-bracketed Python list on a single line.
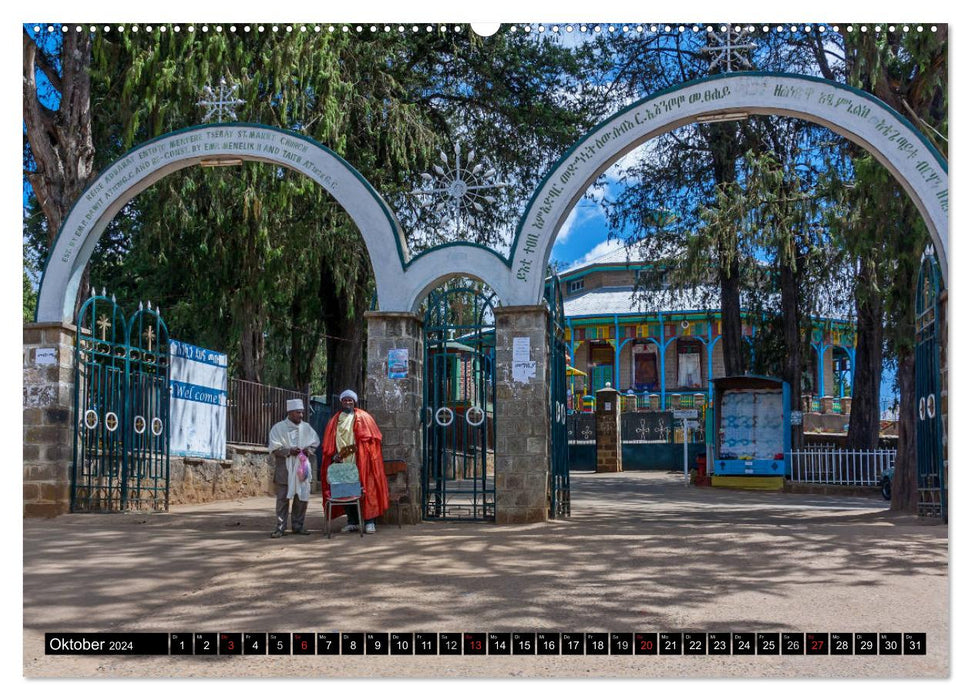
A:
[(348, 394), (294, 405)]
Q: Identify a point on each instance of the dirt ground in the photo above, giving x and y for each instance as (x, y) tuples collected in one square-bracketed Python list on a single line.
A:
[(641, 552)]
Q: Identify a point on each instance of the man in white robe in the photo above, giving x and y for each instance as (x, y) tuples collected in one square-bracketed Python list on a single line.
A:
[(290, 438)]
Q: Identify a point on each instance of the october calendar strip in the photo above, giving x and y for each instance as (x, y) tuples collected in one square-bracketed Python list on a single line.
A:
[(486, 643)]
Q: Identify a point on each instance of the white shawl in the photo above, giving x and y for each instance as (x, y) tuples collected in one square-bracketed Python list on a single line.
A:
[(287, 434)]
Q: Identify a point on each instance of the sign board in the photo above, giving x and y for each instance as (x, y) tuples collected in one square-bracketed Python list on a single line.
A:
[(795, 418), (398, 363), (197, 408), (686, 414), (46, 356)]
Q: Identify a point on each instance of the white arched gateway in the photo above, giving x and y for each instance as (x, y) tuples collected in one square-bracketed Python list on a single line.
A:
[(215, 145), (403, 281), (854, 114)]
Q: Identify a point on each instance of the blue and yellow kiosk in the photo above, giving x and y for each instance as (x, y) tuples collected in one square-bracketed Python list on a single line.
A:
[(750, 431)]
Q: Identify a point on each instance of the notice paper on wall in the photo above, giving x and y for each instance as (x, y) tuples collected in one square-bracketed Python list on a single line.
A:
[(523, 369)]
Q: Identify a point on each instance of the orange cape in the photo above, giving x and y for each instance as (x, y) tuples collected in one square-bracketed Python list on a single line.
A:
[(370, 463)]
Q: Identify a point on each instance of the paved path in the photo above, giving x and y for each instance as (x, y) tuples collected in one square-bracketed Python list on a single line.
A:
[(642, 552)]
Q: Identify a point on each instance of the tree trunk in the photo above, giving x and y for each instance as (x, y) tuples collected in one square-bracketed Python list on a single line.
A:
[(731, 323), (61, 142), (864, 430), (791, 324), (904, 487), (344, 322), (251, 349), (724, 143), (305, 337)]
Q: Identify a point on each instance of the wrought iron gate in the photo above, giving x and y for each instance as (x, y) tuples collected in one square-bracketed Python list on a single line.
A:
[(458, 466), (559, 458), (931, 468), (121, 401)]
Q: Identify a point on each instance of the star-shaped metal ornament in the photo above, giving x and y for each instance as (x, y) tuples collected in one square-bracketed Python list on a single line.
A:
[(463, 182), (221, 102), (725, 51)]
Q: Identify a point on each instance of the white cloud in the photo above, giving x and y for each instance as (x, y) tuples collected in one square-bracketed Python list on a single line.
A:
[(597, 251), (582, 213)]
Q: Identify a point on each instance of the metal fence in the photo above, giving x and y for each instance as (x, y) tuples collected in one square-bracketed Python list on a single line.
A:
[(841, 467), (253, 408)]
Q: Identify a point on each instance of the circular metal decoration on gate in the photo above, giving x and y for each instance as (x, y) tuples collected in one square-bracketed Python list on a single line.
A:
[(449, 416), (920, 408), (111, 421), (479, 414), (139, 424), (157, 426), (90, 419), (428, 415), (931, 406)]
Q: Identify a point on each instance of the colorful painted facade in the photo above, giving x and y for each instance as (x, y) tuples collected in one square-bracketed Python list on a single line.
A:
[(664, 358)]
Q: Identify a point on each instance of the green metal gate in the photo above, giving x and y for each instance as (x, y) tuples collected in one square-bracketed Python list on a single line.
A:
[(559, 457), (931, 468), (121, 400), (458, 426)]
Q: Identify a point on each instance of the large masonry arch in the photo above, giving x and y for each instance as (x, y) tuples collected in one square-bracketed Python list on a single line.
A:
[(854, 114), (150, 162)]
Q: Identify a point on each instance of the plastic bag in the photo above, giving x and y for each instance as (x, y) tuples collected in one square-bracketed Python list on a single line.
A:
[(303, 471)]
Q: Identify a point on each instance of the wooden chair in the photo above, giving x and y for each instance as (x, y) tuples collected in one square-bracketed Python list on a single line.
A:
[(345, 490), (397, 485)]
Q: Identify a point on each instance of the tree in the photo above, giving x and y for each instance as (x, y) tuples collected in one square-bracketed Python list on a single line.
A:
[(276, 271), (908, 71), (58, 146)]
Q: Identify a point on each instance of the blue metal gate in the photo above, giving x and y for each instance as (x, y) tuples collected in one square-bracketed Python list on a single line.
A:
[(559, 457), (931, 468), (458, 426), (121, 401)]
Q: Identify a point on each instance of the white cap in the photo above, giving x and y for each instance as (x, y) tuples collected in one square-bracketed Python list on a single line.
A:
[(294, 405), (348, 394)]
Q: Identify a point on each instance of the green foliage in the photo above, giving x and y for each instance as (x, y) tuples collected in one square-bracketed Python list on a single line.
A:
[(261, 262)]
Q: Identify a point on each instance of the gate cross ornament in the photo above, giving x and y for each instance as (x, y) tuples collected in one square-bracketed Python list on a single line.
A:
[(104, 324)]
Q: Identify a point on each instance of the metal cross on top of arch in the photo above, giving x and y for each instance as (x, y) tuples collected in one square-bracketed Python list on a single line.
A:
[(725, 51)]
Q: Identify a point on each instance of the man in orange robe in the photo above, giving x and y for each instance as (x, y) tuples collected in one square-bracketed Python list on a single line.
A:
[(353, 436)]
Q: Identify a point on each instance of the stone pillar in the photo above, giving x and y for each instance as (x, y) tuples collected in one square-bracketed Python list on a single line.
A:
[(396, 403), (48, 417), (609, 455), (522, 415)]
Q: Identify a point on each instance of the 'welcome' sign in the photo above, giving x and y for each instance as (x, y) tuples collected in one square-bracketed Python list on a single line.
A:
[(198, 402)]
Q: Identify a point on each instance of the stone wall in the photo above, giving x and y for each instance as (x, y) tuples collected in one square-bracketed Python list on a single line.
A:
[(48, 418), (244, 473), (522, 418), (396, 403)]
